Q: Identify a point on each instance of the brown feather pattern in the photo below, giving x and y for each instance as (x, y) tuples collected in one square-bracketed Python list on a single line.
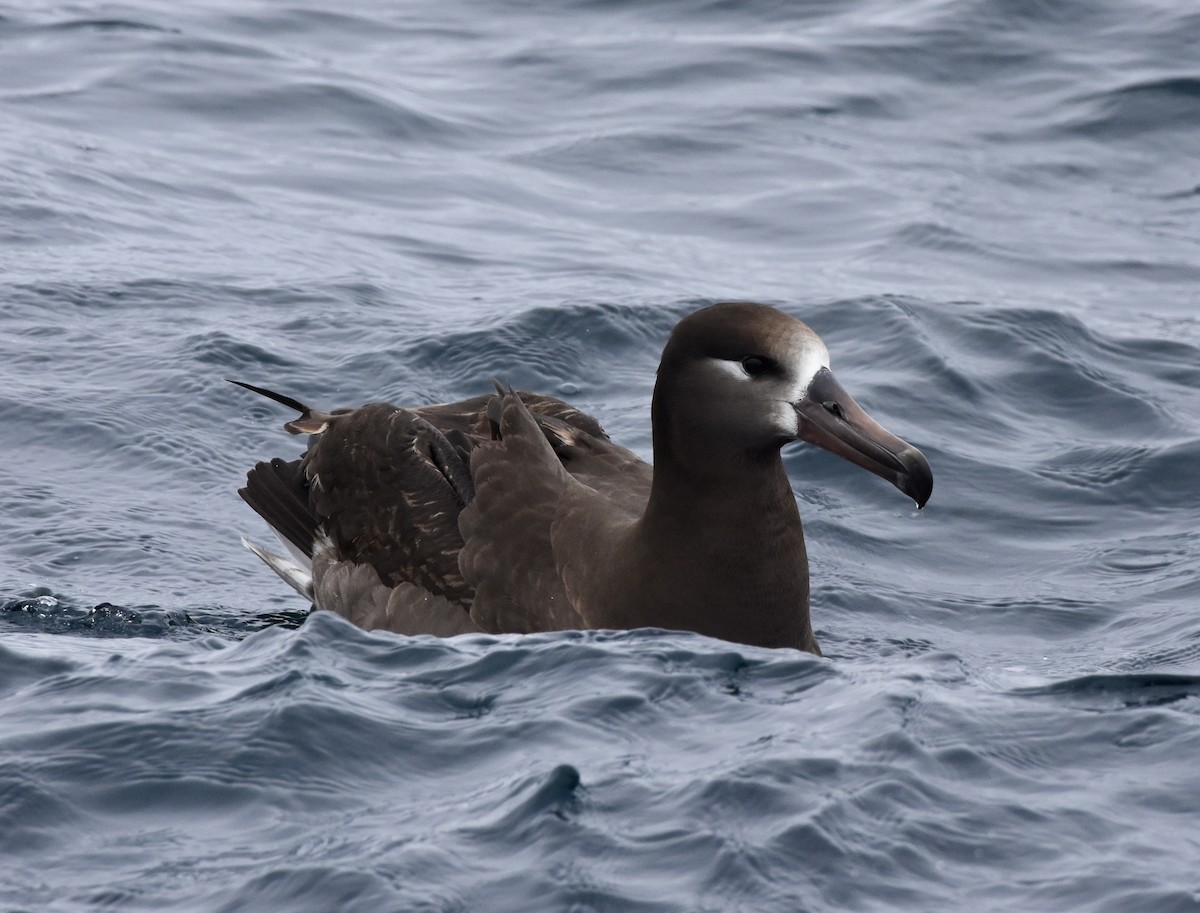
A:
[(386, 488), (514, 512)]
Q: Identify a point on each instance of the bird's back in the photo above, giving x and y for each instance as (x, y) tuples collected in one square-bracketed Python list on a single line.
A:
[(438, 518)]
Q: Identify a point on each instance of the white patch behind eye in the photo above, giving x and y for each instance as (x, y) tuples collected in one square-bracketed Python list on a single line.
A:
[(801, 353), (730, 367), (805, 362)]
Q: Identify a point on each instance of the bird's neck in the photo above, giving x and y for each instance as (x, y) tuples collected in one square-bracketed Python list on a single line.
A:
[(725, 533)]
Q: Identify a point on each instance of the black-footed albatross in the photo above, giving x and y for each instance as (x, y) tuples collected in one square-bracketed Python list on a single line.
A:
[(514, 512)]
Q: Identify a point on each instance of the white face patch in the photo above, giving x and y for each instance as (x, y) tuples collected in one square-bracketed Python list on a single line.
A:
[(803, 356), (732, 368), (808, 356), (806, 361)]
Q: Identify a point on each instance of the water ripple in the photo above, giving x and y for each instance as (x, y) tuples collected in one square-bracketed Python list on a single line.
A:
[(988, 211)]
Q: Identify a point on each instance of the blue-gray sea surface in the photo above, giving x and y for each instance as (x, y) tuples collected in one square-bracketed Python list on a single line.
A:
[(991, 212)]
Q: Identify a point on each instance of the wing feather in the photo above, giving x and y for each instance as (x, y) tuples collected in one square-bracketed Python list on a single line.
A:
[(507, 554), (439, 519)]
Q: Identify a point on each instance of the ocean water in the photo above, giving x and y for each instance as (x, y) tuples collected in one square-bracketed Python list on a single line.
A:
[(989, 210)]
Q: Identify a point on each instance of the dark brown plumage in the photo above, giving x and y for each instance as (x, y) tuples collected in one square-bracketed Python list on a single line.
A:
[(515, 512)]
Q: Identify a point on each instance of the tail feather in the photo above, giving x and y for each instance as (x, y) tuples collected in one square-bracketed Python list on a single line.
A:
[(311, 421), (278, 492), (271, 394)]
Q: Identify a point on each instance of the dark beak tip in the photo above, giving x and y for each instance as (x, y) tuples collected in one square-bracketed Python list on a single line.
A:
[(920, 498), (917, 480)]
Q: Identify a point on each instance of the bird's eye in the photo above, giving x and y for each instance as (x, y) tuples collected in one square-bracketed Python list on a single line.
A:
[(755, 365)]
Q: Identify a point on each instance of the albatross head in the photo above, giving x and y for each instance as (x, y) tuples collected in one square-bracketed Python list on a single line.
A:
[(745, 378)]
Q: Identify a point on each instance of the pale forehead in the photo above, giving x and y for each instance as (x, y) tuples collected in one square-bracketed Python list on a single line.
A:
[(796, 345), (808, 356), (796, 336)]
